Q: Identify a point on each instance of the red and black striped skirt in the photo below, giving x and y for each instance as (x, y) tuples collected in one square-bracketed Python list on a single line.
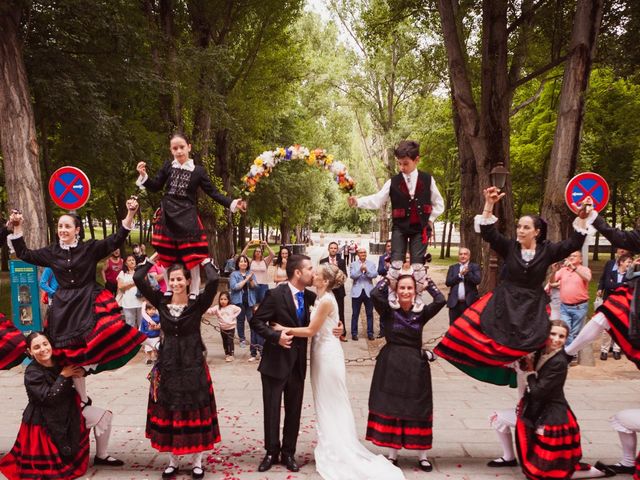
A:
[(13, 346), (191, 252), (636, 476), (110, 344), (616, 308), (552, 455), (35, 456), (398, 433), (471, 350), (183, 431)]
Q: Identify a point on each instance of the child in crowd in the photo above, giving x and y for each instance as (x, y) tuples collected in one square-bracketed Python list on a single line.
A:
[(150, 326), (415, 205), (226, 312)]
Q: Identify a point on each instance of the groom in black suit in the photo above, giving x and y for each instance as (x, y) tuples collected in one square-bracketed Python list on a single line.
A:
[(284, 360)]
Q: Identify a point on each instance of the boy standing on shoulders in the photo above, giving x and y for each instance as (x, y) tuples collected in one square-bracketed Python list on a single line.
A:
[(415, 205)]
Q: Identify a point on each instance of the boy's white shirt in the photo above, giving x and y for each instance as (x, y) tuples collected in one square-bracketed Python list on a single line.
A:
[(375, 201)]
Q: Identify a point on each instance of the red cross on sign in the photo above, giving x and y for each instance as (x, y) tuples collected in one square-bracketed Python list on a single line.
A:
[(587, 184), (69, 188)]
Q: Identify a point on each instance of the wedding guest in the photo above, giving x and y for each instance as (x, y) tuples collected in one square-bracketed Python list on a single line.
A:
[(384, 262), (49, 285), (127, 293), (150, 326), (280, 274), (242, 287), (110, 270), (226, 313), (574, 281), (362, 272)]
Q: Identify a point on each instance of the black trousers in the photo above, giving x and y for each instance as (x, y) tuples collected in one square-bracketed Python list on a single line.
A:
[(227, 340), (455, 312), (272, 392), (340, 301)]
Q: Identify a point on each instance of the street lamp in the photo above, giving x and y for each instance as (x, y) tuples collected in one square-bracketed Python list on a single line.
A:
[(498, 175)]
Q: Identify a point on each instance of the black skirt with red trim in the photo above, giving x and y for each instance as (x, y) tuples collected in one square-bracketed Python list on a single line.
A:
[(35, 456), (471, 350), (555, 454), (183, 431), (110, 344), (398, 433), (190, 251), (13, 346), (636, 476), (616, 308)]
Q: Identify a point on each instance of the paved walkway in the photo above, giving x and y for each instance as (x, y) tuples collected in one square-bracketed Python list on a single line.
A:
[(463, 441)]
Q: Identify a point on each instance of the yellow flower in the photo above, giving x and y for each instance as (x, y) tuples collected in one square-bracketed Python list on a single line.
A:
[(312, 158), (258, 162), (281, 152)]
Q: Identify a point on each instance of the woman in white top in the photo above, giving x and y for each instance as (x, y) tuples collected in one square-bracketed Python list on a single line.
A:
[(131, 305), (259, 266), (281, 265)]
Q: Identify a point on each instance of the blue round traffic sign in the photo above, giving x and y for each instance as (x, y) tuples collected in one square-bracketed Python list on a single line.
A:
[(587, 184), (69, 188)]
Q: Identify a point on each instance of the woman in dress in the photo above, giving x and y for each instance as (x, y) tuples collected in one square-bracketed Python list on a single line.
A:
[(181, 391), (85, 325), (127, 293), (547, 432), (280, 275), (53, 440), (339, 455), (619, 312), (400, 399), (512, 321), (178, 234), (260, 267)]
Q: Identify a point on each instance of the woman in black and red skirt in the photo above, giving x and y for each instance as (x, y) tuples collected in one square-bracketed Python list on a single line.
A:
[(512, 321), (178, 234), (400, 398), (620, 312), (181, 414), (85, 322), (53, 440), (547, 432)]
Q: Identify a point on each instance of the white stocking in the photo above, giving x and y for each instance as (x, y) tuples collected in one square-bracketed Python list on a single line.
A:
[(81, 387), (102, 442), (589, 333), (423, 455), (392, 454), (197, 460), (506, 442), (173, 460), (195, 280), (628, 441)]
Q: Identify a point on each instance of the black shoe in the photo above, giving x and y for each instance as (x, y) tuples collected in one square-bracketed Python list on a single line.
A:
[(394, 461), (197, 473), (617, 356), (380, 335), (615, 468), (370, 337), (267, 462), (604, 356), (501, 462), (109, 461), (170, 472), (354, 337), (425, 465), (290, 462)]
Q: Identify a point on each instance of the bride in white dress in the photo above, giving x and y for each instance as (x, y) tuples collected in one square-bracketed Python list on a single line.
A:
[(339, 454)]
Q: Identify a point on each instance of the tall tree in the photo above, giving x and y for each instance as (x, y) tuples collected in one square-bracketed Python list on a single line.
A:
[(17, 124)]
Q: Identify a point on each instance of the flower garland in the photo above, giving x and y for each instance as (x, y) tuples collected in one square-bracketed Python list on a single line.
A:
[(267, 160)]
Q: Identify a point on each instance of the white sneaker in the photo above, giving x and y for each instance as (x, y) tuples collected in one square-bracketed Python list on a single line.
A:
[(252, 359), (243, 344), (228, 358), (393, 300)]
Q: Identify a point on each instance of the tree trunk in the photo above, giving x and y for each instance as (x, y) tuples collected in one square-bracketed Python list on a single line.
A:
[(104, 228), (444, 237), (448, 253), (92, 232), (17, 124), (566, 145)]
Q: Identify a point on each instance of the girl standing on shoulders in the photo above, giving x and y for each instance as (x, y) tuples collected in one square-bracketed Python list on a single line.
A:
[(400, 399), (178, 234), (181, 392), (226, 313)]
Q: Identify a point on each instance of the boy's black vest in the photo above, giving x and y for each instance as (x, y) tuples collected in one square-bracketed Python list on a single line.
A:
[(410, 212)]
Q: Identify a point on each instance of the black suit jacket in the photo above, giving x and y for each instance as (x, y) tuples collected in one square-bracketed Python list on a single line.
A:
[(340, 291), (471, 280), (278, 306)]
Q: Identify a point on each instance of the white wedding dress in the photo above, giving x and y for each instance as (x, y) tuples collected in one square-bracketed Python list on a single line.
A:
[(339, 455)]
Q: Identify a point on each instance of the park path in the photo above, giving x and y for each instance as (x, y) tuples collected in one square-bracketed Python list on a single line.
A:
[(463, 441)]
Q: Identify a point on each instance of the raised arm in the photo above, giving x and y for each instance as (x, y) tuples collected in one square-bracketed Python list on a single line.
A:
[(628, 240), (380, 297), (487, 222), (103, 248), (210, 189), (205, 299), (434, 307), (41, 257), (154, 184)]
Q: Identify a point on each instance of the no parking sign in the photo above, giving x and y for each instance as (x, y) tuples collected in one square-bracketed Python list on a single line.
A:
[(69, 188), (587, 184)]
